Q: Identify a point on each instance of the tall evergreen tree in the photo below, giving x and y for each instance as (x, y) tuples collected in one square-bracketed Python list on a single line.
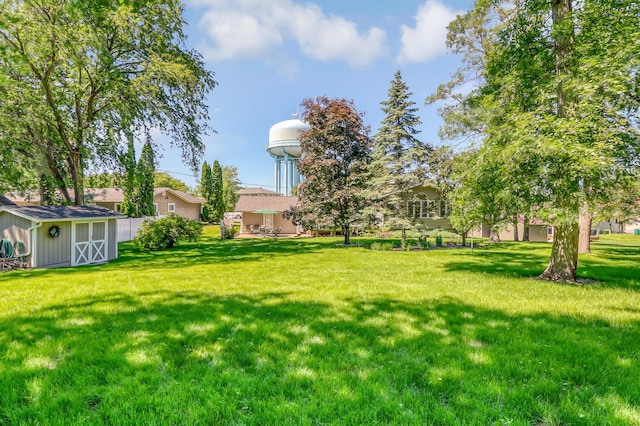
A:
[(129, 205), (144, 179), (398, 158), (206, 192), (217, 200)]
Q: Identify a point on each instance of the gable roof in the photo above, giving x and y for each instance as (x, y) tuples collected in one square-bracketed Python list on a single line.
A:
[(188, 198), (61, 213), (256, 191), (251, 203)]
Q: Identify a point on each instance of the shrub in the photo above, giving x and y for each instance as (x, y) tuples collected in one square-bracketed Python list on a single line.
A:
[(380, 246), (164, 233), (423, 242), (439, 240), (227, 232)]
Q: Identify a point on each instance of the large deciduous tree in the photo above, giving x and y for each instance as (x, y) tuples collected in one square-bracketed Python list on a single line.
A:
[(165, 180), (555, 106), (336, 152), (398, 158), (77, 76), (230, 186)]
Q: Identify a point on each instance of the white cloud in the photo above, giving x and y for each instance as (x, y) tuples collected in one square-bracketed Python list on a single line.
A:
[(329, 38), (256, 29), (238, 35), (427, 39)]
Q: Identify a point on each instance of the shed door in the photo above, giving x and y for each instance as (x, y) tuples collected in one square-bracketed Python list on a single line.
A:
[(89, 243)]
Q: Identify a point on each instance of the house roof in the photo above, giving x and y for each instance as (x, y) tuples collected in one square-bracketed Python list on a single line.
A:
[(110, 195), (182, 195), (4, 201), (61, 213), (104, 195), (256, 191), (251, 203), (28, 197)]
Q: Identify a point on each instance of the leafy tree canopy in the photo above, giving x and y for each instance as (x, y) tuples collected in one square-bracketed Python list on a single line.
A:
[(336, 151), (165, 180), (554, 104), (77, 77)]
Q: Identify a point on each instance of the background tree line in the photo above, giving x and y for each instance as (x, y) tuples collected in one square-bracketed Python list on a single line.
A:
[(550, 122)]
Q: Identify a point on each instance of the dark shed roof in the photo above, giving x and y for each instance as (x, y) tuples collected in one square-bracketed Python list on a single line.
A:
[(62, 213)]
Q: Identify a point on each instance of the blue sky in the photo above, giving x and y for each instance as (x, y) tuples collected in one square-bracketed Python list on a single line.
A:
[(268, 55)]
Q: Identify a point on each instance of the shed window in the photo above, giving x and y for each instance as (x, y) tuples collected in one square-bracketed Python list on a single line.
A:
[(171, 207)]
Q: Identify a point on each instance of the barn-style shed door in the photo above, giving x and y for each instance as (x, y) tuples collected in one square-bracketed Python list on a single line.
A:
[(89, 243)]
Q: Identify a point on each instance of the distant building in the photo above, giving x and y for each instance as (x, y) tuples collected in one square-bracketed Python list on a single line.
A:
[(165, 200)]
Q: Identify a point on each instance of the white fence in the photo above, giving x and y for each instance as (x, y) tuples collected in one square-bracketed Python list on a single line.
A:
[(128, 228)]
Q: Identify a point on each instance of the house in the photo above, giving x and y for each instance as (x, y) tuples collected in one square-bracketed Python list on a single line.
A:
[(539, 231), (165, 200), (432, 211), (265, 211), (168, 201), (429, 209), (61, 235)]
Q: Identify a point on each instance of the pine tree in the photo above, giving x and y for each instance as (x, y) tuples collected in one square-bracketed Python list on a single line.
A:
[(144, 180), (129, 206), (217, 200), (206, 192), (398, 157)]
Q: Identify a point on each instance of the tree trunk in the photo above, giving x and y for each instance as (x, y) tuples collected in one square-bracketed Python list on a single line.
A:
[(515, 229), (76, 179), (563, 49), (525, 229), (464, 238), (346, 230), (404, 238), (584, 223), (563, 265)]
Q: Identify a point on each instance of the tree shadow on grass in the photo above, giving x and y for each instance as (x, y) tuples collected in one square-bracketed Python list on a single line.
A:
[(610, 265), (193, 357), (205, 251), (501, 259)]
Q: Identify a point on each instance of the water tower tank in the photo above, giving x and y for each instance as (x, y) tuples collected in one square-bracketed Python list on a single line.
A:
[(284, 147), (283, 138)]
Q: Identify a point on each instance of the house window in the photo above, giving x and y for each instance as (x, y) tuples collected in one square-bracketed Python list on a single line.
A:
[(171, 207), (422, 207)]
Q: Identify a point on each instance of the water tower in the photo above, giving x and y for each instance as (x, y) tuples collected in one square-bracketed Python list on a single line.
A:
[(284, 147)]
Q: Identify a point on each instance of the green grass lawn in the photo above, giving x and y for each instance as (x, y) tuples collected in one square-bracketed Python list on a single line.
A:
[(302, 331)]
